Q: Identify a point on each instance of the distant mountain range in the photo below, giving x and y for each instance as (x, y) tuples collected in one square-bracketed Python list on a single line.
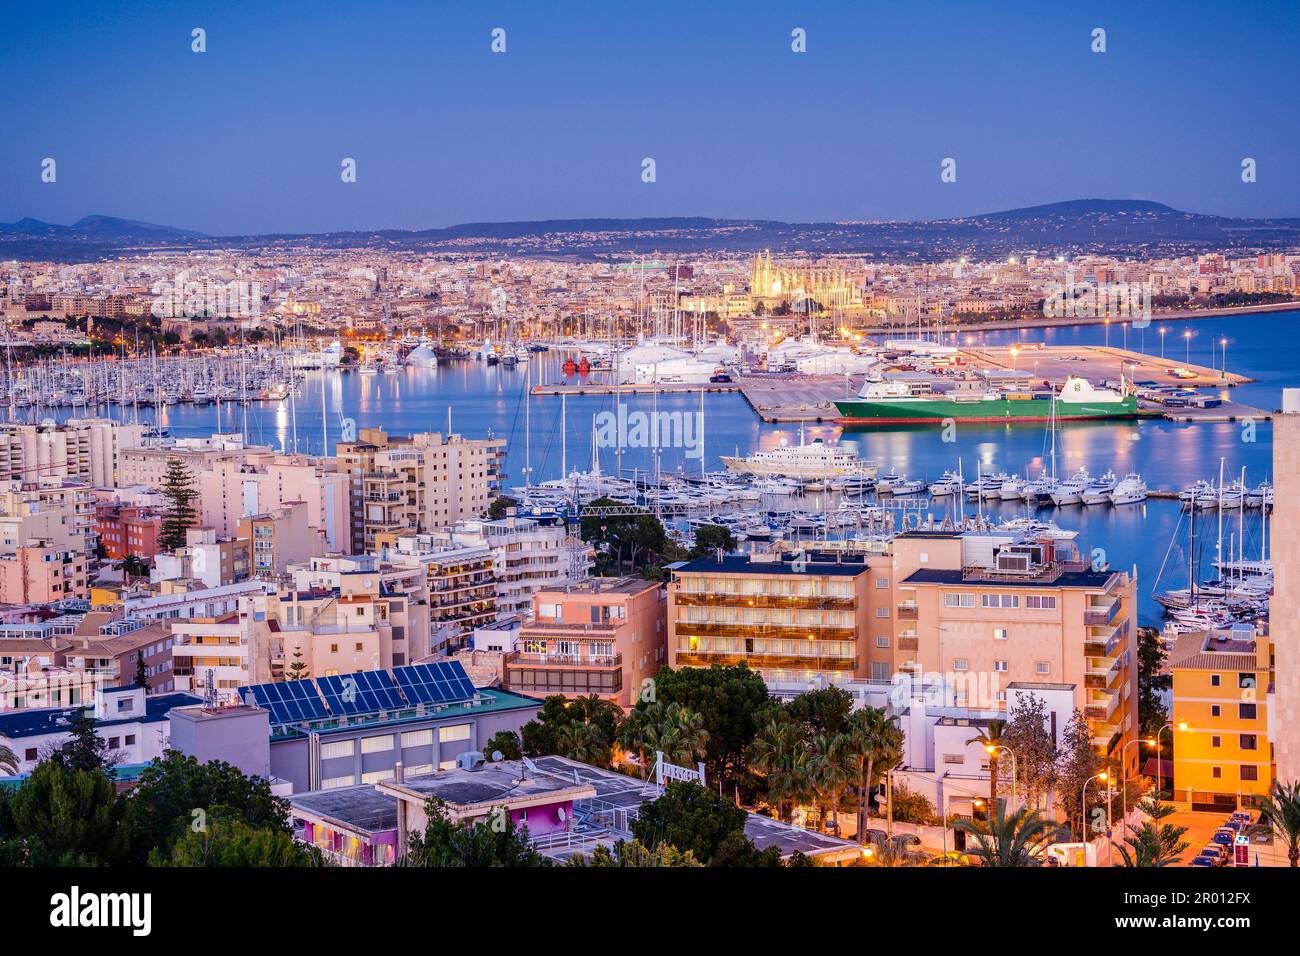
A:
[(1110, 226)]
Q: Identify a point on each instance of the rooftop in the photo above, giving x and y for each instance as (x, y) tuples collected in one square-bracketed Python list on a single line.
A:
[(50, 720), (1087, 580), (360, 808), (741, 564), (494, 784)]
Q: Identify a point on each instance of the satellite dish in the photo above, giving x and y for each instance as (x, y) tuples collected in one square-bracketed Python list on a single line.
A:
[(559, 811), (530, 765), (497, 756)]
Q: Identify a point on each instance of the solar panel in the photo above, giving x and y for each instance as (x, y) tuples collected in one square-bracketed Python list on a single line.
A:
[(364, 692), (437, 683), (289, 701)]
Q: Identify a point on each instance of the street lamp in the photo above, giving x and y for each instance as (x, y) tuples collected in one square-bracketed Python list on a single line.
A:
[(1187, 337), (1223, 345), (1123, 763), (1083, 806), (1162, 343)]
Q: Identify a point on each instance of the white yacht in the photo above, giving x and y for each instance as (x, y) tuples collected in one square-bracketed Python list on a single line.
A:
[(1012, 489), (815, 459), (1038, 529), (949, 483), (1099, 489), (1130, 490), (1070, 491), (1260, 495)]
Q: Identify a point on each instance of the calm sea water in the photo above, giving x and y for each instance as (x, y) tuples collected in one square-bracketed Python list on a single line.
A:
[(483, 398)]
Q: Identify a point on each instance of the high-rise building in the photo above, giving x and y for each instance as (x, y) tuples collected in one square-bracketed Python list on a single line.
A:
[(1284, 609)]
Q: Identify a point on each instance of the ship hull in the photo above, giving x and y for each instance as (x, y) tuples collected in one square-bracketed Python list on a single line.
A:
[(864, 412)]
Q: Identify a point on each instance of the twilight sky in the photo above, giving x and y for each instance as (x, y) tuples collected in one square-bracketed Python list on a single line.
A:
[(249, 136)]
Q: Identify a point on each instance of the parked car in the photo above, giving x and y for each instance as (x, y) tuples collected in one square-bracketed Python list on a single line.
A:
[(1224, 836), (952, 858), (1211, 855)]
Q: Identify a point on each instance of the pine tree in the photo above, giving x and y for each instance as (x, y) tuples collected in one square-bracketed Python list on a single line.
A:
[(179, 490), (141, 672), (298, 667)]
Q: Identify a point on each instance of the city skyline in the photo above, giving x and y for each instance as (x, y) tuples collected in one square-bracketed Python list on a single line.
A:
[(443, 130)]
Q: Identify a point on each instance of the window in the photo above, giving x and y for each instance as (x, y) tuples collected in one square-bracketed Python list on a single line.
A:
[(999, 633), (882, 612), (375, 776), (1215, 710), (1248, 742), (1216, 741), (376, 744), (1246, 711), (358, 645), (125, 705), (448, 735), (959, 600), (1216, 772), (1249, 772), (334, 648), (960, 664), (923, 557), (1042, 667), (882, 582), (882, 642), (1000, 666), (333, 783), (1247, 680), (338, 748), (417, 738), (447, 765), (129, 740), (1040, 602), (1214, 680), (113, 742), (29, 753), (1000, 600)]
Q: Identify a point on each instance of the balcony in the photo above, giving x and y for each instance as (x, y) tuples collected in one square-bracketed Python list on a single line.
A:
[(783, 631), (553, 628), (908, 611), (687, 658), (1101, 614), (803, 602), (564, 660), (907, 643)]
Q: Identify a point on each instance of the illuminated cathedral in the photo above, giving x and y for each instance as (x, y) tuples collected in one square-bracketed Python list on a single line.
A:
[(832, 287)]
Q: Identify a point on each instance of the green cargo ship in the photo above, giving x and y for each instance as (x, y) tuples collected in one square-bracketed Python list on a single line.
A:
[(892, 403)]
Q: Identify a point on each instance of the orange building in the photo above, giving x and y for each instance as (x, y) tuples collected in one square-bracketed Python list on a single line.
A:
[(128, 532), (38, 574), (602, 636)]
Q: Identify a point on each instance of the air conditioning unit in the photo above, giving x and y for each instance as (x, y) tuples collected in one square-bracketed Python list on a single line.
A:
[(471, 760)]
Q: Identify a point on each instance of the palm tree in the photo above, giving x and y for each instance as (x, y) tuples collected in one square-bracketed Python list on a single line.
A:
[(582, 742), (874, 737), (682, 735), (1279, 813), (991, 739), (8, 760), (780, 756), (1011, 839), (832, 767), (1154, 843), (634, 735)]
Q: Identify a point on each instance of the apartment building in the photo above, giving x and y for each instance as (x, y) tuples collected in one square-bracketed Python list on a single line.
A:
[(40, 573), (1284, 609), (602, 636), (209, 558), (280, 538), (418, 483), (344, 614), (87, 449), (1223, 750), (530, 554), (460, 581), (261, 482), (58, 512), (147, 465), (785, 616), (125, 531), (983, 611)]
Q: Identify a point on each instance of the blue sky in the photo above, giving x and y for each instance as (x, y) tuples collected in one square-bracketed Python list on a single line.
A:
[(249, 136)]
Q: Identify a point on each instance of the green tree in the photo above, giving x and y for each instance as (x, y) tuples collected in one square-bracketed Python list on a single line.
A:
[(875, 744), (779, 755), (1078, 763), (1011, 839), (1026, 735), (992, 740), (634, 853), (909, 807), (1153, 681), (1154, 843), (1279, 814), (297, 669), (65, 816), (710, 537), (583, 742), (832, 766), (8, 761), (691, 818), (623, 541), (141, 671), (507, 743), (450, 843), (232, 843), (179, 490), (497, 509), (84, 749), (176, 795), (734, 704), (822, 711)]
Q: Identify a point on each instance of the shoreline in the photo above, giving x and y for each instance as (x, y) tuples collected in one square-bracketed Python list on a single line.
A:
[(1044, 322)]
